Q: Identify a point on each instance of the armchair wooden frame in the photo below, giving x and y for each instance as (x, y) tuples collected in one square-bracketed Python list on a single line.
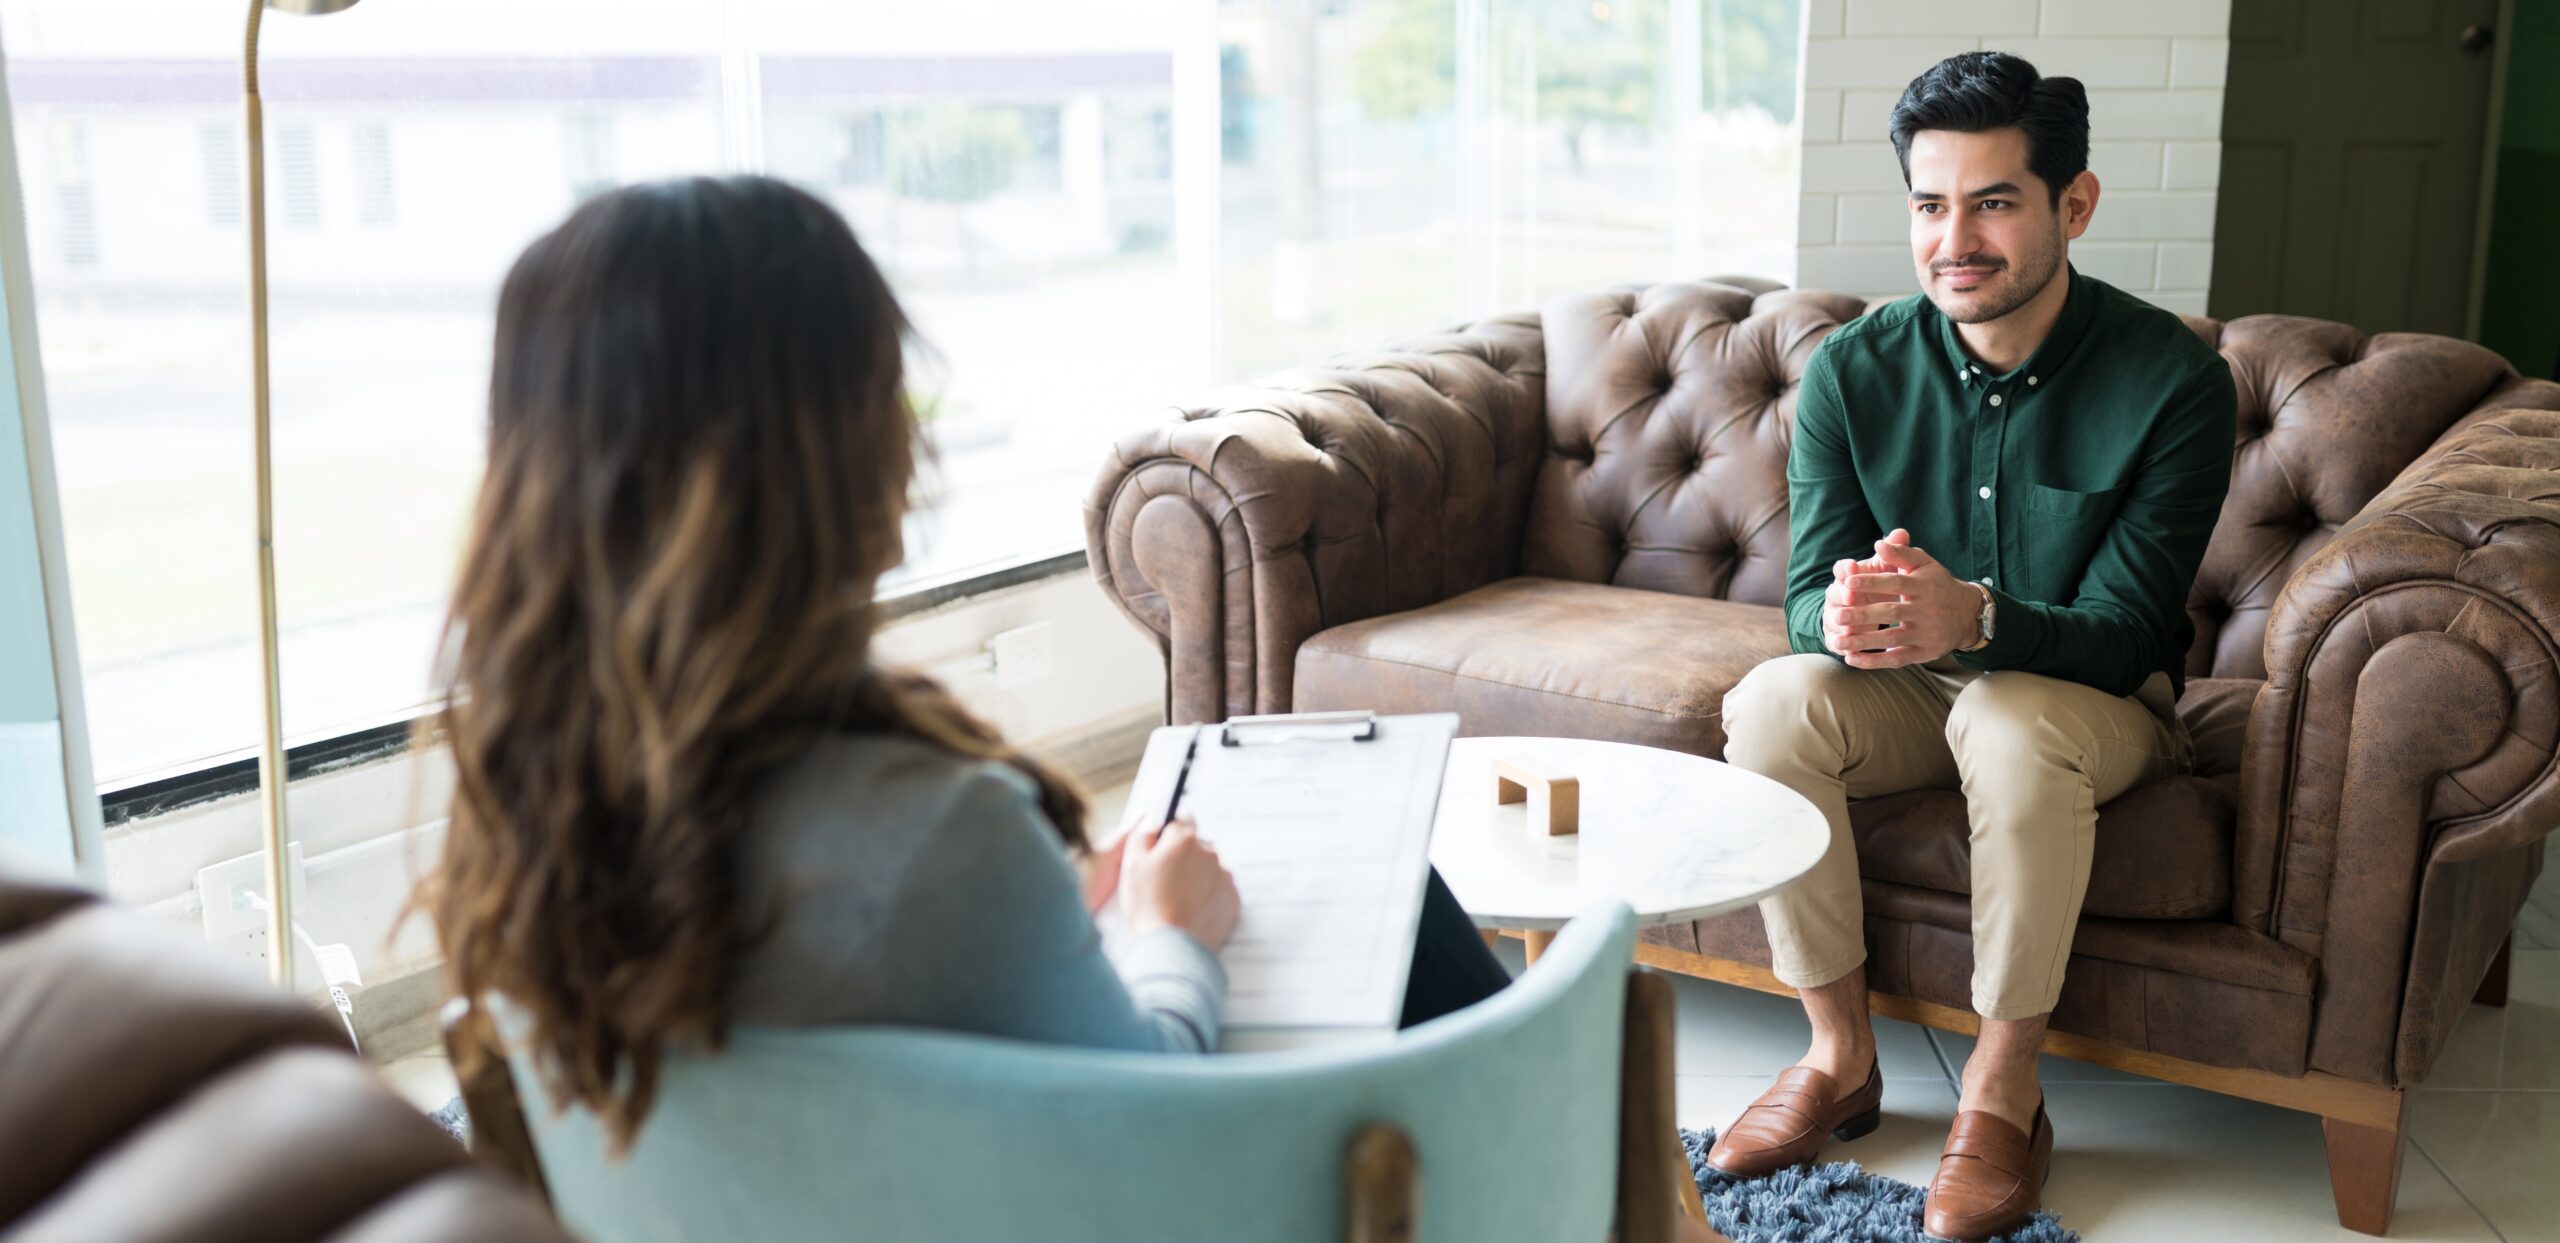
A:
[(1657, 1200)]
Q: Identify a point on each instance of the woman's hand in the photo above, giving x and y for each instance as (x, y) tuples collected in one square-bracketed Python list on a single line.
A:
[(1101, 870), (1169, 878)]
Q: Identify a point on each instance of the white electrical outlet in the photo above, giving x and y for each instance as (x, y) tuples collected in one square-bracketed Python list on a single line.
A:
[(1024, 654), (223, 890)]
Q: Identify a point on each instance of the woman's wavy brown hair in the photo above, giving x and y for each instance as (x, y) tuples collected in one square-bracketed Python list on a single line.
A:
[(700, 448)]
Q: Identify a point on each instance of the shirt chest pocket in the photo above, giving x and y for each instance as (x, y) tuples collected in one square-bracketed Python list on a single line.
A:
[(2062, 532), (2095, 508)]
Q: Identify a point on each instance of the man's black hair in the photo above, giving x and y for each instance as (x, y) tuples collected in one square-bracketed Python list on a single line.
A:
[(1971, 92)]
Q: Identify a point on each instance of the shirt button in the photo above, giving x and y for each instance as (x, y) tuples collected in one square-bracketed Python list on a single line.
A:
[(1995, 399), (2031, 381), (1989, 581), (1984, 493), (1977, 371)]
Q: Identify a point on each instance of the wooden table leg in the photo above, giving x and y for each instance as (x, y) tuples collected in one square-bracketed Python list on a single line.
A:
[(1536, 943), (1656, 1193), (1492, 937)]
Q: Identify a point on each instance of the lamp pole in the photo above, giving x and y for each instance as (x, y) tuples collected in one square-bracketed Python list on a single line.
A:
[(271, 765)]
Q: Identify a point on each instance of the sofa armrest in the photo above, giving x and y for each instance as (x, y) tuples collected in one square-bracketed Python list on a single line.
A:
[(2407, 732), (1376, 483)]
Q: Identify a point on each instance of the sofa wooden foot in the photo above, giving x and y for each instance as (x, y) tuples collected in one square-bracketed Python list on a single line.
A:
[(2493, 986), (2364, 1168)]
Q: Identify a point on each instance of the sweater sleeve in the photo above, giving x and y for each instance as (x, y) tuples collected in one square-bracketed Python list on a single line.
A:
[(994, 938)]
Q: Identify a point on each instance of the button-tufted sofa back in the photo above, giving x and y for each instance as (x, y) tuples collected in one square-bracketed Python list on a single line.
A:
[(2328, 417), (1670, 408)]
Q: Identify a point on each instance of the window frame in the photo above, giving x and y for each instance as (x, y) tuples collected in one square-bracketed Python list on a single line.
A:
[(235, 773)]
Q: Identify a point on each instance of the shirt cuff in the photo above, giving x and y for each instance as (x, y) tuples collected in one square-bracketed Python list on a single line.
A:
[(2013, 627)]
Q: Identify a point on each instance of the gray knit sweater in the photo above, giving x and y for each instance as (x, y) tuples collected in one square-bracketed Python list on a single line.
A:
[(907, 885)]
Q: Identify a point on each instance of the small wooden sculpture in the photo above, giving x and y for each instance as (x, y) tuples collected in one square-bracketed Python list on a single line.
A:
[(1555, 800)]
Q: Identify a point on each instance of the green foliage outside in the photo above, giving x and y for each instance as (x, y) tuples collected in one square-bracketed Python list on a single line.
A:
[(1591, 70), (955, 153)]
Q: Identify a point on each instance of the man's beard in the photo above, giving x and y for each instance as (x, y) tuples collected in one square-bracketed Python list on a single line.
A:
[(2028, 280)]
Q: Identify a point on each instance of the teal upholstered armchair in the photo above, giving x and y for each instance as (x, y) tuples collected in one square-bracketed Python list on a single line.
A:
[(1541, 1115)]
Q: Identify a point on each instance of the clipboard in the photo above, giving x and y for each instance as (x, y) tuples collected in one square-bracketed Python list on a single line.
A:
[(1325, 821)]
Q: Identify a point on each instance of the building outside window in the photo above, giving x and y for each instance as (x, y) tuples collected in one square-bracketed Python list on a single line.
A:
[(370, 142)]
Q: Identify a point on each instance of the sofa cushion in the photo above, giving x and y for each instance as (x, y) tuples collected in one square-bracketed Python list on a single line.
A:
[(1550, 657), (1582, 660), (2216, 711), (2163, 848)]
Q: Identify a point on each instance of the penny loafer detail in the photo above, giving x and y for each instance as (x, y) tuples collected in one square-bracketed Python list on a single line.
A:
[(1990, 1178), (1789, 1122)]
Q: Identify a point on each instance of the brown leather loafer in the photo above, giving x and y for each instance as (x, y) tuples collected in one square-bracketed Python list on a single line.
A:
[(1990, 1178), (1787, 1125)]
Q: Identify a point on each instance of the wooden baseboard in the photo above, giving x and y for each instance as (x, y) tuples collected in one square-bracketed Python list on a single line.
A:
[(2329, 1096), (396, 1015), (1104, 755)]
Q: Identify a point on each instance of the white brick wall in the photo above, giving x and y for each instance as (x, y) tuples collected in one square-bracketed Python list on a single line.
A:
[(2154, 69)]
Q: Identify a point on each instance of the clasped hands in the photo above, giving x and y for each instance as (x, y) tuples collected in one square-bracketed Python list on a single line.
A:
[(1897, 608)]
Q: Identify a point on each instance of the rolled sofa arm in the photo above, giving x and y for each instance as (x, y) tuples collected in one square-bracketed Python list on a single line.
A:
[(1376, 483), (2404, 742)]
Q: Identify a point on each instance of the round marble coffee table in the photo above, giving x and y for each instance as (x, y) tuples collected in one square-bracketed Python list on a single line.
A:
[(1675, 836)]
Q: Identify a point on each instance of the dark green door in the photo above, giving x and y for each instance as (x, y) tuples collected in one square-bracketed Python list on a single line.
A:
[(2351, 135)]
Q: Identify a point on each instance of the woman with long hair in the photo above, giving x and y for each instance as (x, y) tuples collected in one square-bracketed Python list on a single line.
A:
[(686, 795)]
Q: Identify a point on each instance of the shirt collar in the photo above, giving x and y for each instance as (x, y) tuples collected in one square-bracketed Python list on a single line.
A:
[(2078, 308)]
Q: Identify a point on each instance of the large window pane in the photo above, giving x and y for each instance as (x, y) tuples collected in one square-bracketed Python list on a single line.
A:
[(412, 151), (1395, 165), (1011, 167), (1092, 208)]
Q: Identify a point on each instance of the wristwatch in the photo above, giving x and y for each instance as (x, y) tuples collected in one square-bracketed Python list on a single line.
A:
[(1990, 610)]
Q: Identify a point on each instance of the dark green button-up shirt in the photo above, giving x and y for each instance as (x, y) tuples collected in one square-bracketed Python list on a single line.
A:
[(2080, 487)]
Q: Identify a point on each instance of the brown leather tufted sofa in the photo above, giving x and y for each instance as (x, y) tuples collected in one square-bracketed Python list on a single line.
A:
[(1575, 523), (146, 1093)]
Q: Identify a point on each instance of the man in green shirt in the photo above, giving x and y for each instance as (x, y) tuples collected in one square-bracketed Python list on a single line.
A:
[(2000, 492)]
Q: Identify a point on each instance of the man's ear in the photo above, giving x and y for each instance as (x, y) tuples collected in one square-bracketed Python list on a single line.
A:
[(2079, 204)]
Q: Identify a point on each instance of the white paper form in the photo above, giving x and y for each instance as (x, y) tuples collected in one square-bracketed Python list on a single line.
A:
[(1329, 842)]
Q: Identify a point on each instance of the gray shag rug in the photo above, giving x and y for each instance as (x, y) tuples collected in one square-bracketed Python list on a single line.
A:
[(1834, 1200), (455, 1120)]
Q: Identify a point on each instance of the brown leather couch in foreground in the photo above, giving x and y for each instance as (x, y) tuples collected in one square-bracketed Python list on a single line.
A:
[(1575, 523), (148, 1093)]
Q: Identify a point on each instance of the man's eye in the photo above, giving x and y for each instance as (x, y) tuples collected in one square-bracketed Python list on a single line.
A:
[(1994, 204), (1927, 209)]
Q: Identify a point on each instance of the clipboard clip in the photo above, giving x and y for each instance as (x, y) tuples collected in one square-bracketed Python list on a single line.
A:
[(1355, 726)]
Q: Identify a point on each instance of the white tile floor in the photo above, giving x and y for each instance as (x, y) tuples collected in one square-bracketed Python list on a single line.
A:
[(2139, 1159)]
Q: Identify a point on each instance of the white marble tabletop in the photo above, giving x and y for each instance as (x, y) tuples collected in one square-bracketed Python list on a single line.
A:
[(1675, 836)]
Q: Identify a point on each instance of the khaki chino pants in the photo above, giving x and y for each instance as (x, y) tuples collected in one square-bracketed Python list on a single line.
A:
[(2034, 756)]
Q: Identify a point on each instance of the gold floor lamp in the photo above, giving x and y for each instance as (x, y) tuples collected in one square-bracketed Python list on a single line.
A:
[(271, 766)]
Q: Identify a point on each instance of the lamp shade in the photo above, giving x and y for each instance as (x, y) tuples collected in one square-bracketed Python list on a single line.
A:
[(310, 6)]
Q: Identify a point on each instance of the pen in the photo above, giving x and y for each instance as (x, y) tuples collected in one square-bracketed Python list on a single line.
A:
[(1182, 776)]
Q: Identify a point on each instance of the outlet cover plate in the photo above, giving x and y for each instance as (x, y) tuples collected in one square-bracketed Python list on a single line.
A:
[(222, 889), (1024, 654)]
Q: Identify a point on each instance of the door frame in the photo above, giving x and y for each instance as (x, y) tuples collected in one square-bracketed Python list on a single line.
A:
[(2490, 132)]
